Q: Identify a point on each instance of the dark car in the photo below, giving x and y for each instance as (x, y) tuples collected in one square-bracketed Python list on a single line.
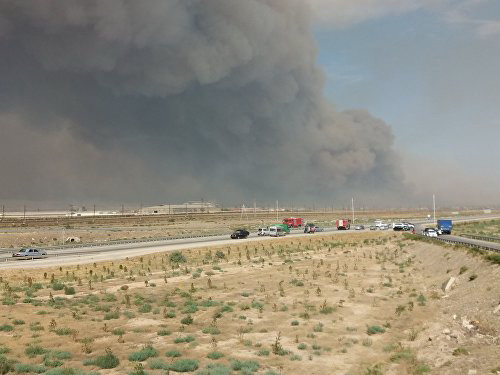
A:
[(373, 227), (359, 227), (240, 233), (30, 253), (310, 228)]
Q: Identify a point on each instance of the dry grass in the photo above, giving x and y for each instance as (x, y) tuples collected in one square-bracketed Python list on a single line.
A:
[(321, 305)]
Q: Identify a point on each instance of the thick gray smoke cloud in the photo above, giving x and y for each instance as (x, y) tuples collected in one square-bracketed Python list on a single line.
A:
[(177, 99)]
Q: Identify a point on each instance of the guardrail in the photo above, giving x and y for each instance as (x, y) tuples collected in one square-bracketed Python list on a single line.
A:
[(463, 242), (481, 238), (116, 242)]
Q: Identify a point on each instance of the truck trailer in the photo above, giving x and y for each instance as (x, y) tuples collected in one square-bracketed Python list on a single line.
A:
[(293, 222), (444, 226)]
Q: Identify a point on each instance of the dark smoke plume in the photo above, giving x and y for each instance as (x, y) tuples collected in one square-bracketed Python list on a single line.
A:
[(176, 99)]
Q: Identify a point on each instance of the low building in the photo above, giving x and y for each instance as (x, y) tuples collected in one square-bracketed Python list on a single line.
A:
[(188, 207)]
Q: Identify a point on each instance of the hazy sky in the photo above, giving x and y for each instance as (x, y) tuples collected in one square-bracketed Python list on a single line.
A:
[(433, 74), (306, 101)]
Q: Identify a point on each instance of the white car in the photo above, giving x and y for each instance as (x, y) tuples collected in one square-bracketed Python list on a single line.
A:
[(30, 253), (430, 232)]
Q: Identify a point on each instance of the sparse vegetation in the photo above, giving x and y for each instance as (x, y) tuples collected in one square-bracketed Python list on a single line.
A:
[(293, 307)]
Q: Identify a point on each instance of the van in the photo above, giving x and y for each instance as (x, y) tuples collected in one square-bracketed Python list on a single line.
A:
[(276, 231), (263, 232)]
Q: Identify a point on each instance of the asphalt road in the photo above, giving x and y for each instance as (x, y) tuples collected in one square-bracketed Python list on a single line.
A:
[(491, 245), (90, 254), (82, 255)]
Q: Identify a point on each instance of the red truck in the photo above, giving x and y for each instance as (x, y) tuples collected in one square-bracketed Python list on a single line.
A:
[(343, 224), (293, 222)]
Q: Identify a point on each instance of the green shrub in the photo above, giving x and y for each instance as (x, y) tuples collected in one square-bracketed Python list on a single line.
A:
[(18, 322), (403, 355), (184, 365), (302, 346), (112, 315), (32, 351), (422, 368), (108, 297), (257, 305), (372, 330), (294, 323), (214, 369), (173, 353), (129, 314), (170, 314), (69, 290), (118, 331), (68, 371), (179, 340), (143, 354), (187, 320), (28, 369), (215, 355), (209, 303), (6, 328), (460, 351), (51, 362), (6, 365), (212, 330), (63, 331), (177, 257), (4, 350), (107, 361), (318, 327), (421, 300), (145, 308), (56, 285), (263, 353), (190, 307), (158, 364), (245, 367), (493, 258), (163, 332)]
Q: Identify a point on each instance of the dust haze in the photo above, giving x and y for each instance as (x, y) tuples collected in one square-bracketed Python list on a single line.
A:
[(173, 100)]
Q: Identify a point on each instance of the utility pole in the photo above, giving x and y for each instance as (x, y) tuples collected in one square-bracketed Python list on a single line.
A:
[(276, 210), (434, 205), (352, 203), (24, 213), (94, 210)]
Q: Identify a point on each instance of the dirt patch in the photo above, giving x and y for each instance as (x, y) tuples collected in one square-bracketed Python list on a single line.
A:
[(353, 304)]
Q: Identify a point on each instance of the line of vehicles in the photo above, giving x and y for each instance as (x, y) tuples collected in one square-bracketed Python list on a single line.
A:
[(443, 226), (282, 229)]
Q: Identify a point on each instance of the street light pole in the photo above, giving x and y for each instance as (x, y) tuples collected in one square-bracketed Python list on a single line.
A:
[(352, 203), (434, 205)]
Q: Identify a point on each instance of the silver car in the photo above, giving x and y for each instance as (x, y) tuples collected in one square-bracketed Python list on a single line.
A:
[(30, 253)]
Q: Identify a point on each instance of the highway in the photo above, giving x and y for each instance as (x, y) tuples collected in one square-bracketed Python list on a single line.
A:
[(90, 254), (80, 254)]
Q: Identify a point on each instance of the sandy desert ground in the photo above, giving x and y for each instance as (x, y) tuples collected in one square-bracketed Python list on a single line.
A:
[(371, 303)]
